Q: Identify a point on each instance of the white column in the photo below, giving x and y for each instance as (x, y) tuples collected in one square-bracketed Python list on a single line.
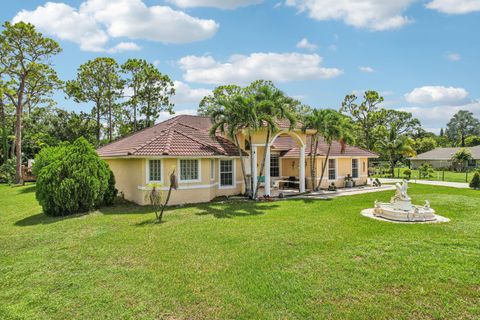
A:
[(302, 169), (267, 171), (254, 172)]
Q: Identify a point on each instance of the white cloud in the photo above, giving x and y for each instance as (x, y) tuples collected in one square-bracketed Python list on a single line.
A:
[(242, 69), (366, 69), (305, 44), (124, 46), (454, 6), (454, 56), (66, 23), (438, 95), (438, 116), (185, 94), (96, 21), (372, 14), (220, 4)]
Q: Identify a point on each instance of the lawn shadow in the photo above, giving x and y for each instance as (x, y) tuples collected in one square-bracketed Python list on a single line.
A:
[(29, 189), (232, 209), (41, 218)]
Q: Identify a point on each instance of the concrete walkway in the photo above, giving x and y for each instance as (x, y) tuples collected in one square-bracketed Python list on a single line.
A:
[(432, 183), (343, 192)]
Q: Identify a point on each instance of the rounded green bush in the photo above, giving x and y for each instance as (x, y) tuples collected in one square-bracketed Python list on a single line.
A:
[(76, 180), (475, 183)]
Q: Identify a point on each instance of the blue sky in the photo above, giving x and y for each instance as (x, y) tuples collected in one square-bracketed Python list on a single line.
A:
[(423, 56)]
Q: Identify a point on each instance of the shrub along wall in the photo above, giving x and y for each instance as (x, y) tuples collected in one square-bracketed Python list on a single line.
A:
[(73, 179)]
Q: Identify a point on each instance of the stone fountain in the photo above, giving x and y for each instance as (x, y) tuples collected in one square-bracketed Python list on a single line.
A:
[(401, 209)]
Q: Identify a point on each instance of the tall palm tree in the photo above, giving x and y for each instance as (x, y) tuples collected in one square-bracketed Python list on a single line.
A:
[(395, 145), (235, 113), (271, 105), (332, 126)]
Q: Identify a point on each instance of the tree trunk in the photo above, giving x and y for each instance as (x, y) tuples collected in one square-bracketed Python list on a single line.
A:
[(240, 153), (324, 166), (4, 129), (313, 163), (98, 122), (262, 166), (110, 125), (251, 166), (18, 135), (135, 110)]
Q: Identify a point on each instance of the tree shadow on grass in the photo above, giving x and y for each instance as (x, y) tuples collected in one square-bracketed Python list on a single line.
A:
[(28, 189), (41, 218), (232, 209)]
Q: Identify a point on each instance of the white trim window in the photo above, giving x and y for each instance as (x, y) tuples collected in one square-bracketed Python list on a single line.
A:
[(355, 168), (332, 169), (227, 173), (155, 170), (212, 169), (275, 165), (189, 170)]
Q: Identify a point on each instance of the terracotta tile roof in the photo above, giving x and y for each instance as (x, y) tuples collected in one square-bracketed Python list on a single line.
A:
[(187, 135), (182, 135), (291, 149)]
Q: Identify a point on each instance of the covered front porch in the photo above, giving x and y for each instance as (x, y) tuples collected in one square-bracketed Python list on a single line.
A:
[(285, 165)]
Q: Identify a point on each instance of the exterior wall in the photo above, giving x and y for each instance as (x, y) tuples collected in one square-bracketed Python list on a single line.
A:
[(131, 181), (437, 164), (129, 174)]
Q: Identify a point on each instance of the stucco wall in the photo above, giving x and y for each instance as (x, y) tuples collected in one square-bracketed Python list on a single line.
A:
[(131, 181)]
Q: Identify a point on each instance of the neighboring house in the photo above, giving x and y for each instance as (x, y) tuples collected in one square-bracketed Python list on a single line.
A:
[(208, 167), (442, 158)]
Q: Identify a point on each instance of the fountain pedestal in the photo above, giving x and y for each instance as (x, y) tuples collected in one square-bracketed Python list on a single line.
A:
[(401, 208)]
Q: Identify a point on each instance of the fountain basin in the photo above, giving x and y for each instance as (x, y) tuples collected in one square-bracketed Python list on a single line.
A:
[(404, 212)]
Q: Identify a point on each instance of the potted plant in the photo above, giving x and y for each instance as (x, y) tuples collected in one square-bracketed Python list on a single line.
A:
[(349, 183)]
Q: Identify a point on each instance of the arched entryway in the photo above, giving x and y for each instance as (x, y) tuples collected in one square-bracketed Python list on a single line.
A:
[(300, 139)]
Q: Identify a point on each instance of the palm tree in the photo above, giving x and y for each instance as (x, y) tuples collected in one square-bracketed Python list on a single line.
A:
[(271, 105), (461, 158), (332, 126), (395, 146), (235, 113)]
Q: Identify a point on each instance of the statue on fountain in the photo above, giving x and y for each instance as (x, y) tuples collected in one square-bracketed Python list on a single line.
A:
[(401, 193), (401, 208)]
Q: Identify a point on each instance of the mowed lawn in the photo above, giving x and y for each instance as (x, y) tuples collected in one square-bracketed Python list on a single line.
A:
[(281, 260), (438, 175)]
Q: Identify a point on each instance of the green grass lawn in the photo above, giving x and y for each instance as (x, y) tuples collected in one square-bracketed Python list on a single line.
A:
[(284, 260), (449, 176)]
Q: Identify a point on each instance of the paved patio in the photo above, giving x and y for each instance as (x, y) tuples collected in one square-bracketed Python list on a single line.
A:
[(344, 192)]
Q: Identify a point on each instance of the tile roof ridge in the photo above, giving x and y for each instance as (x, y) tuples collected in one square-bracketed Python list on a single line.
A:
[(135, 133), (200, 142), (141, 146), (190, 126)]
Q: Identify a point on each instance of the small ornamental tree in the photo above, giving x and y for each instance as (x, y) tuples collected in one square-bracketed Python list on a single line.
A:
[(76, 180), (426, 171), (475, 183)]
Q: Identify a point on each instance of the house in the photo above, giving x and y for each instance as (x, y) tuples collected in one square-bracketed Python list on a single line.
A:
[(442, 158), (209, 166)]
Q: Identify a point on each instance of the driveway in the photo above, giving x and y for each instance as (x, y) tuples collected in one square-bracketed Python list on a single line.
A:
[(460, 185)]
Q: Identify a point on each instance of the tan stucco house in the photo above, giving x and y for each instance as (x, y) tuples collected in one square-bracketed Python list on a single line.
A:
[(208, 167)]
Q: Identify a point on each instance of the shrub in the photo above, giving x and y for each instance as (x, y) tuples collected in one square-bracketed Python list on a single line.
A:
[(74, 180), (8, 171), (475, 183), (111, 192), (46, 156), (407, 173), (425, 171)]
